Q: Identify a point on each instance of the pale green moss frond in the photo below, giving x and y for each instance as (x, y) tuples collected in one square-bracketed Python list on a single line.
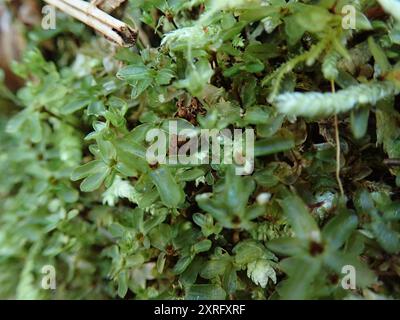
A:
[(315, 104)]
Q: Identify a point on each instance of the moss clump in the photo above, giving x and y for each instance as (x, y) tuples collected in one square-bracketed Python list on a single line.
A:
[(78, 194)]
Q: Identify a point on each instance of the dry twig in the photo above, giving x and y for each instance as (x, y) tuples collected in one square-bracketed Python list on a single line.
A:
[(88, 13)]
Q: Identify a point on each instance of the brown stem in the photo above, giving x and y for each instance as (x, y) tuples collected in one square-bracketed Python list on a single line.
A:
[(113, 29)]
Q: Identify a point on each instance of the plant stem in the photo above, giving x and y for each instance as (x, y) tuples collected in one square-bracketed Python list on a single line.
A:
[(112, 28), (337, 140)]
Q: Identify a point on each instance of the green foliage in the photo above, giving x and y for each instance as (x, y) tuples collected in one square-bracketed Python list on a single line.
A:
[(325, 104), (77, 191)]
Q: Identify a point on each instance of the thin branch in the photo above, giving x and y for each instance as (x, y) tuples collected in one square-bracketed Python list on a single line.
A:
[(95, 12), (337, 138), (112, 28)]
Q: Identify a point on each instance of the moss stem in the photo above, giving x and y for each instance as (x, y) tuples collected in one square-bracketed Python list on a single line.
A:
[(337, 140)]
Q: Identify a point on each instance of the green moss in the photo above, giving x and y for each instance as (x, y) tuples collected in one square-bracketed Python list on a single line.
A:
[(77, 193)]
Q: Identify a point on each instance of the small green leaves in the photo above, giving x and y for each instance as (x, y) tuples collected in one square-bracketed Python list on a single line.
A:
[(206, 223), (303, 224), (134, 73), (273, 145), (315, 252), (202, 246), (75, 106), (302, 272), (94, 181), (286, 246), (214, 268), (230, 207), (87, 169), (170, 192), (329, 65), (196, 77), (205, 292), (359, 121), (94, 173), (147, 71), (248, 251), (122, 284), (182, 264), (338, 230), (388, 238), (78, 193), (379, 56), (387, 130), (28, 123), (260, 272), (258, 261), (35, 127), (311, 18), (120, 189)]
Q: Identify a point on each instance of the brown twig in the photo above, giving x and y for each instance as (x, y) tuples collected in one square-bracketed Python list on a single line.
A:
[(337, 139), (112, 28)]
